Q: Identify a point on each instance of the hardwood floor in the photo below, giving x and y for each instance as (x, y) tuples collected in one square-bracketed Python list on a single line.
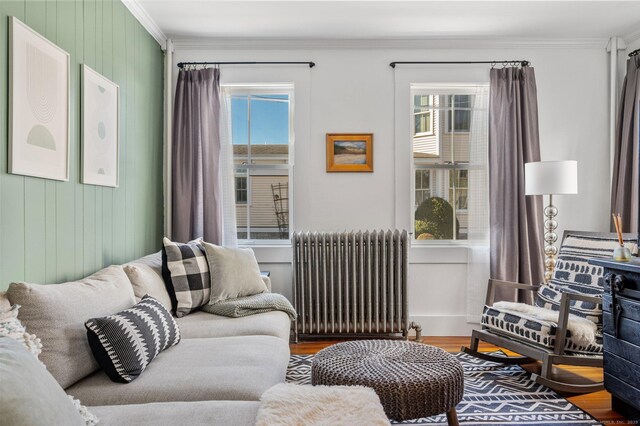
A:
[(597, 404)]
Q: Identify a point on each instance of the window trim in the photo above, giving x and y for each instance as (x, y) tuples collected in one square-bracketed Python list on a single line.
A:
[(240, 89)]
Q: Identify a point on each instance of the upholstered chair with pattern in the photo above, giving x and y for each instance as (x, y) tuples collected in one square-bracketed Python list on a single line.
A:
[(564, 324)]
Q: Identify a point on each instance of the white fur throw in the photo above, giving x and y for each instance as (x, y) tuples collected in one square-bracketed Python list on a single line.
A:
[(293, 405), (583, 331)]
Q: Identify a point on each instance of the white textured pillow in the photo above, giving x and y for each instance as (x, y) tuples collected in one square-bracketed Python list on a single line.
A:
[(11, 326), (5, 305), (234, 273)]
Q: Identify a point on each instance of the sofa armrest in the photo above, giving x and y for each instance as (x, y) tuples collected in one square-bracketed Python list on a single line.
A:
[(267, 282), (491, 289)]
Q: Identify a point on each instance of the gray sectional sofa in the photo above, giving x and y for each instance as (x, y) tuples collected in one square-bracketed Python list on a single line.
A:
[(214, 376)]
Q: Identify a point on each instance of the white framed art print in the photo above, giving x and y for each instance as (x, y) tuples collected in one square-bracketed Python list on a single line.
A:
[(38, 105), (100, 129)]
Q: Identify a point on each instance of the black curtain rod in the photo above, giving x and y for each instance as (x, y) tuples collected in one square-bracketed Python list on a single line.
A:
[(634, 53), (520, 61), (182, 64)]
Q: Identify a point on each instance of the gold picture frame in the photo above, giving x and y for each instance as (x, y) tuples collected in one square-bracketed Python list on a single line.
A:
[(350, 152)]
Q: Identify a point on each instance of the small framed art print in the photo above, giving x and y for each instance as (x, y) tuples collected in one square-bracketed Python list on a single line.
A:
[(349, 152)]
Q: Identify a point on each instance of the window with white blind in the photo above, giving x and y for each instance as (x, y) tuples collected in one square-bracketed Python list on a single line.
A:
[(261, 134), (449, 165)]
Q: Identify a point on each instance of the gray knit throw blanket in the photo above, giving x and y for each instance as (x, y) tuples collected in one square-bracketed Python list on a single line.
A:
[(251, 305)]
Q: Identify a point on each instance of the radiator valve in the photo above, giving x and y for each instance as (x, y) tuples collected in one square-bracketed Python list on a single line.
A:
[(418, 328)]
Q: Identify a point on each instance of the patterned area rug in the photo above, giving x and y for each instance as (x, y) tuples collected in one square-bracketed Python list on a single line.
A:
[(494, 394)]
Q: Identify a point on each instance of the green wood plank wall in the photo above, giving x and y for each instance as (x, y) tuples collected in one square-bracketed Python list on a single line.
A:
[(53, 231)]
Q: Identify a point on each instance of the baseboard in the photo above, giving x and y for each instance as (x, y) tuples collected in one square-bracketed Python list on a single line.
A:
[(437, 325), (444, 325)]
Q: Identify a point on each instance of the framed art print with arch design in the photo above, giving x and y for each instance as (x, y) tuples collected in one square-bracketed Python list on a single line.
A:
[(38, 105)]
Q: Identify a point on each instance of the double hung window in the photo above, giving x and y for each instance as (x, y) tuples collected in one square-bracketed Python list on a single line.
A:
[(442, 152), (262, 137)]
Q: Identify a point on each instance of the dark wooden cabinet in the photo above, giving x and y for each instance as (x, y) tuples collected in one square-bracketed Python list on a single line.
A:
[(621, 334)]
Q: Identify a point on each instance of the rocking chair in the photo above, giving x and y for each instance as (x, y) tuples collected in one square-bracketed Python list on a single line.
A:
[(543, 332)]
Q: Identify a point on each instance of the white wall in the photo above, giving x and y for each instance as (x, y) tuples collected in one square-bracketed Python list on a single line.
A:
[(352, 90)]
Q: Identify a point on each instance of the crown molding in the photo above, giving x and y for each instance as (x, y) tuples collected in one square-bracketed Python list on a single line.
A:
[(139, 12), (394, 43)]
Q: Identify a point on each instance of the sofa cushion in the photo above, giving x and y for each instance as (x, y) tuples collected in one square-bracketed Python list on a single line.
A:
[(56, 314), (186, 276), (125, 343), (29, 395), (226, 368), (202, 324), (11, 327), (145, 275), (234, 272), (532, 329), (198, 413)]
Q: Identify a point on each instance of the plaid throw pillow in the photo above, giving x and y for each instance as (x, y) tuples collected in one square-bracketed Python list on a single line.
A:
[(186, 275)]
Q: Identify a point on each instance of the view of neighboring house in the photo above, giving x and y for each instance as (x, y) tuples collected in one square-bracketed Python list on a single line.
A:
[(262, 196), (261, 134), (441, 151)]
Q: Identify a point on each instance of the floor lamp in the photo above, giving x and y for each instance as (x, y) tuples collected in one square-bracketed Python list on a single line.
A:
[(550, 178)]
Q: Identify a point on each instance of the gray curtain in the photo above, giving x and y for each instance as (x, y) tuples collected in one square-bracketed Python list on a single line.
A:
[(196, 187), (624, 190), (515, 219)]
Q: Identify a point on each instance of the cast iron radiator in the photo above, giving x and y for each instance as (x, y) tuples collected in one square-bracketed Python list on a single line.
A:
[(350, 284)]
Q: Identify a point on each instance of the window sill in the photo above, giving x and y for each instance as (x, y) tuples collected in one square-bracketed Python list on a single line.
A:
[(271, 253), (433, 253), (263, 243), (445, 252)]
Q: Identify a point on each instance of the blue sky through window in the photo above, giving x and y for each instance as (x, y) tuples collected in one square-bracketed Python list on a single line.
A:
[(269, 120)]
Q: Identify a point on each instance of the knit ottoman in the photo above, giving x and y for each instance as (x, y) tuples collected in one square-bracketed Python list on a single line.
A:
[(412, 380)]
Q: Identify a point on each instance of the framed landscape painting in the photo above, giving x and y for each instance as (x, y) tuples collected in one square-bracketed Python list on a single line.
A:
[(100, 135), (38, 105), (349, 152)]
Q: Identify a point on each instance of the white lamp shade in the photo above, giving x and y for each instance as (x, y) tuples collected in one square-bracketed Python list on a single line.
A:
[(551, 177)]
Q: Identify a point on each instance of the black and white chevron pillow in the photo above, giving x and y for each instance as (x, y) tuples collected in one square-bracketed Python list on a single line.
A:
[(125, 343)]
